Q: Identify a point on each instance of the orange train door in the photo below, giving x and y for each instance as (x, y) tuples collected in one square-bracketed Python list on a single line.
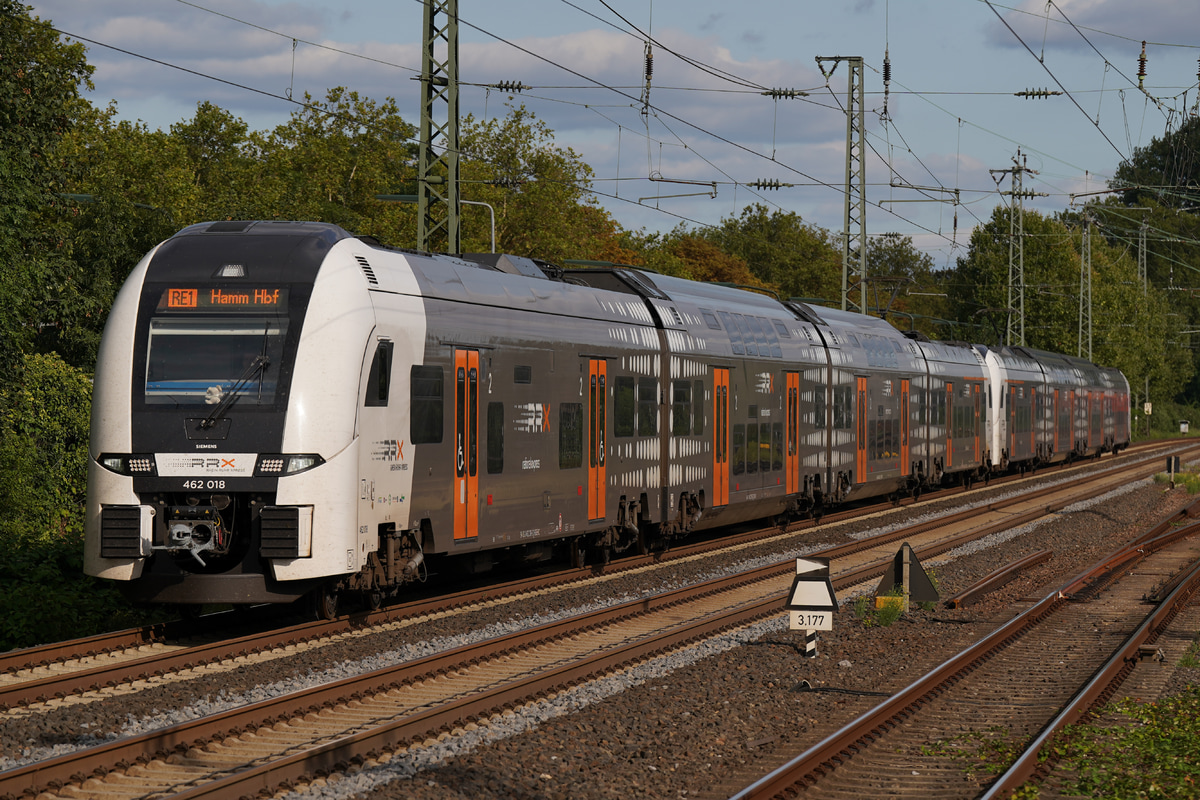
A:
[(792, 457), (860, 446), (904, 420), (720, 437), (466, 444), (597, 442)]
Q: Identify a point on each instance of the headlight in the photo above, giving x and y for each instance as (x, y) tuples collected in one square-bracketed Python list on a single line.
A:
[(284, 464), (128, 463)]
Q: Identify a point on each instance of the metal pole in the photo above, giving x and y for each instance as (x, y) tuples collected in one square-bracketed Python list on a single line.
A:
[(437, 174)]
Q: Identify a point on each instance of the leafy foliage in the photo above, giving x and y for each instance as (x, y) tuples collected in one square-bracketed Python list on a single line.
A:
[(782, 251), (43, 450), (40, 78), (1152, 753)]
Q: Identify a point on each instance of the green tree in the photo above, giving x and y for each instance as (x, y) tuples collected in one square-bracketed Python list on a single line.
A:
[(329, 161), (1166, 171), (130, 188), (979, 287), (799, 259), (902, 282), (40, 80), (224, 165), (540, 193), (43, 449)]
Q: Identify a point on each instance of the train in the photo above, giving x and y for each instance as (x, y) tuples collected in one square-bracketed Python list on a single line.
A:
[(286, 411)]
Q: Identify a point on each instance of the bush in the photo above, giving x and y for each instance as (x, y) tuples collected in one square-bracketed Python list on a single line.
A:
[(44, 420)]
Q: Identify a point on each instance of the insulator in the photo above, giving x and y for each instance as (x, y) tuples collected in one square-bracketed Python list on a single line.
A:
[(649, 64), (1142, 66), (887, 69), (784, 94), (510, 86), (1031, 94)]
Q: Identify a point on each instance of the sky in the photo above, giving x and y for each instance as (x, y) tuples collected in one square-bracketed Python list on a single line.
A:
[(942, 135)]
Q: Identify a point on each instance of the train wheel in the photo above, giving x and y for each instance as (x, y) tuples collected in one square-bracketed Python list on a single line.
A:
[(374, 599), (325, 602)]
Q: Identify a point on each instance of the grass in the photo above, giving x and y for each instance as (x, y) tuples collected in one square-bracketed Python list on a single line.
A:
[(1188, 480)]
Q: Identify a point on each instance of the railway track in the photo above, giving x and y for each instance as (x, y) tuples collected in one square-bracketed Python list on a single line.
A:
[(73, 671), (186, 746), (1044, 669)]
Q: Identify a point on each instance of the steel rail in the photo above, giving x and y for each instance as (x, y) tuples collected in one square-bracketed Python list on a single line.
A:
[(997, 578), (823, 757), (151, 666), (102, 758), (1030, 765)]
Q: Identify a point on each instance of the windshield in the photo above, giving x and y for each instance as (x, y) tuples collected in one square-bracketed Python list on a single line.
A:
[(198, 361)]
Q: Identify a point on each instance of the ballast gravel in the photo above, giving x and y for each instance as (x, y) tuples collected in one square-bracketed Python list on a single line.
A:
[(700, 723)]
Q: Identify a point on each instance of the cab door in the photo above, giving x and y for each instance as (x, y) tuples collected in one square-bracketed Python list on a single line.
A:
[(720, 437), (597, 442), (466, 444)]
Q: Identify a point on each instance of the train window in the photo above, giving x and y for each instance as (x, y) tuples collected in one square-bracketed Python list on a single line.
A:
[(782, 330), (764, 447), (681, 408), (698, 416), (739, 449), (199, 361), (522, 374), (843, 407), (427, 404), (570, 435), (379, 381), (752, 455), (735, 335), (710, 319), (819, 414), (624, 406), (772, 339), (747, 334), (647, 416), (777, 445), (495, 438)]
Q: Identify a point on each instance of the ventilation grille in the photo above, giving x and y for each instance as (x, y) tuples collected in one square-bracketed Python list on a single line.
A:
[(280, 532), (121, 532), (366, 268)]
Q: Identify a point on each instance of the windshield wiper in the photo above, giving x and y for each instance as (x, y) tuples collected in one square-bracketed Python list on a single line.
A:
[(259, 365)]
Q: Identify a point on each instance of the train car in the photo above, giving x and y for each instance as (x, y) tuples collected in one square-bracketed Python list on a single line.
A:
[(1017, 381), (1050, 408), (953, 413), (284, 410)]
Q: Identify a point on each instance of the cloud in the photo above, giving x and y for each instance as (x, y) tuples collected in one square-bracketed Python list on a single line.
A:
[(1112, 26)]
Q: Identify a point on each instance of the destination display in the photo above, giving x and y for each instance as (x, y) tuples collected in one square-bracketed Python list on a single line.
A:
[(212, 298)]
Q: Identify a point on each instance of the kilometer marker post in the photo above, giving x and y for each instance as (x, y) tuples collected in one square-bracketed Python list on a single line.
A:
[(811, 602)]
